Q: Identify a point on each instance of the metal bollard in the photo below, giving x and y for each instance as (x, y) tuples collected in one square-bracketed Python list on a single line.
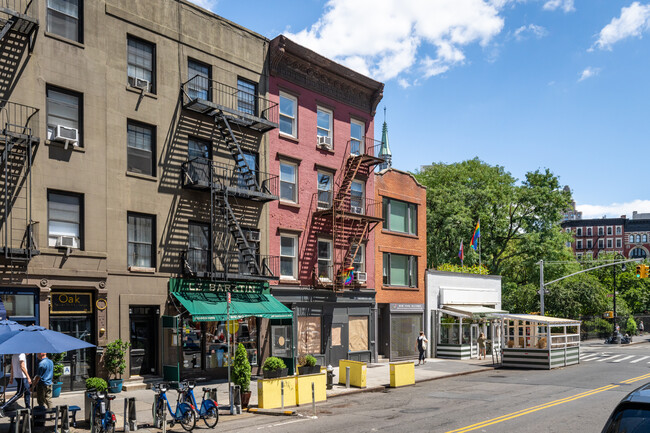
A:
[(347, 377), (282, 394), (23, 421), (313, 399), (62, 414), (236, 401), (130, 417)]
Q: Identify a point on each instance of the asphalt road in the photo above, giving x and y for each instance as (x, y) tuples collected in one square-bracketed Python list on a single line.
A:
[(574, 399)]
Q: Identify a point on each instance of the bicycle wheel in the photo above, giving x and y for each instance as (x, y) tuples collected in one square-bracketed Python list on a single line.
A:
[(157, 413), (188, 420), (211, 417), (110, 427), (95, 423)]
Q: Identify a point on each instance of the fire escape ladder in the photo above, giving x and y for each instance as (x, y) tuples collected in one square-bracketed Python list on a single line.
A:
[(247, 253), (351, 169), (248, 177), (6, 28)]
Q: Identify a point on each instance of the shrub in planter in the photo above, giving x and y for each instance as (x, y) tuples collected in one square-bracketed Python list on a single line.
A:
[(308, 365), (96, 383), (274, 367), (241, 374), (115, 362)]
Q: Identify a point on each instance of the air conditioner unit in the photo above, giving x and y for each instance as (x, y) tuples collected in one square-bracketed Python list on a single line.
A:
[(139, 83), (324, 142), (356, 209), (67, 242), (361, 277), (67, 135), (253, 236)]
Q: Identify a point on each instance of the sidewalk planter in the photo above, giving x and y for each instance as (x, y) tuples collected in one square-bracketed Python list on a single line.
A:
[(56, 389), (402, 374), (357, 373), (269, 392), (115, 385), (303, 388), (453, 351), (274, 374), (306, 369)]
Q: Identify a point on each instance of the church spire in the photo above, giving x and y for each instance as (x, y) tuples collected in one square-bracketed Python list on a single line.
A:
[(384, 151)]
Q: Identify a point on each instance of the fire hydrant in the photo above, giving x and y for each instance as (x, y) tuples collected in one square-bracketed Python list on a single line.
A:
[(330, 376)]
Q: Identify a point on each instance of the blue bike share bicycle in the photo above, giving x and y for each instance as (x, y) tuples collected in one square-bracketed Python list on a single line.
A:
[(209, 409), (102, 420), (184, 413)]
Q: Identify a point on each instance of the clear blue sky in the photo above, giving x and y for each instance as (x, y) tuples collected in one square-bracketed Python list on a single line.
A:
[(525, 84)]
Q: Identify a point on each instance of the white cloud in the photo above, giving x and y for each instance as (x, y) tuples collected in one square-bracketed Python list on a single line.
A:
[(614, 210), (531, 29), (404, 84), (392, 38), (565, 5), (634, 20), (588, 73), (210, 5)]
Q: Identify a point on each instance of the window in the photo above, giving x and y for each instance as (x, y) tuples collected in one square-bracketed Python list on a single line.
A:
[(288, 114), (638, 238), (356, 137), (141, 149), (589, 231), (579, 231), (638, 253), (64, 109), (619, 230), (400, 216), (400, 270), (645, 238), (200, 76), (601, 243), (579, 244), (246, 171), (590, 244), (246, 97), (324, 190), (601, 231), (323, 122), (358, 259), (64, 217), (631, 238), (579, 256), (568, 230), (357, 203), (325, 259), (289, 257), (288, 178), (609, 231), (197, 148), (610, 243), (198, 254), (309, 335), (140, 244), (141, 63), (619, 243), (63, 19)]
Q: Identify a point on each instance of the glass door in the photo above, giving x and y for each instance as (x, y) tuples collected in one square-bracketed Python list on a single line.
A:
[(79, 365)]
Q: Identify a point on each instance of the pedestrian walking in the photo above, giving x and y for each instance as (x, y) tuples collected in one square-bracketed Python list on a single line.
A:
[(422, 347), (23, 382), (641, 327), (43, 381), (481, 345)]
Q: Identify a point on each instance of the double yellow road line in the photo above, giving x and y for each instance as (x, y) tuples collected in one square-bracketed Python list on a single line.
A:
[(545, 405)]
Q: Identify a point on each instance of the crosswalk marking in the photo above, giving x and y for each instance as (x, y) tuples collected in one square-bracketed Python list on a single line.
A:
[(608, 359), (591, 357), (623, 359), (640, 359)]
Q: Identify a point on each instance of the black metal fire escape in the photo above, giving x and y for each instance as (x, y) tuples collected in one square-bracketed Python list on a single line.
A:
[(234, 253), (18, 135)]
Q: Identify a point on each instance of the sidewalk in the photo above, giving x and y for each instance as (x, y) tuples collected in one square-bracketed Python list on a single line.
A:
[(377, 378)]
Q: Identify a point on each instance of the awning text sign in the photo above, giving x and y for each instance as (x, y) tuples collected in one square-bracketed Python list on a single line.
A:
[(207, 286)]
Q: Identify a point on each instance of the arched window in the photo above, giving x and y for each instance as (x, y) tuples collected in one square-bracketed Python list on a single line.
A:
[(638, 253), (631, 238), (645, 238), (638, 238)]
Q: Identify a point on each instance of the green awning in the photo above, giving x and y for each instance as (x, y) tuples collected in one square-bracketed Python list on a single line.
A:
[(212, 306)]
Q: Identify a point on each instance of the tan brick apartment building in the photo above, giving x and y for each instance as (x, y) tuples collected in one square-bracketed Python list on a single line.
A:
[(136, 162), (400, 263)]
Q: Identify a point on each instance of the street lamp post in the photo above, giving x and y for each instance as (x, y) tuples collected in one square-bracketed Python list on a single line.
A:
[(615, 268)]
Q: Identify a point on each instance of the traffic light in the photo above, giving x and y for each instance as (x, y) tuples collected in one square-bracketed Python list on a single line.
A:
[(638, 271), (642, 271), (608, 315)]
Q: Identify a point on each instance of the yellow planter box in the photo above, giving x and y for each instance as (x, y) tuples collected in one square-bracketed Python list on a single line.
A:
[(402, 374), (303, 388), (357, 373), (269, 392)]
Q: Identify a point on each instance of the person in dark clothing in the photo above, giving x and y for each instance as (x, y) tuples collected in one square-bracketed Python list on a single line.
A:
[(422, 348)]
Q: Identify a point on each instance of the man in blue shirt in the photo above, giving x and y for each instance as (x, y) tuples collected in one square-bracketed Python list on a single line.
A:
[(43, 381)]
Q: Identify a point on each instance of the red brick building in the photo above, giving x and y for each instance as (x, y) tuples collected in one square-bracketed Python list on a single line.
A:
[(400, 262)]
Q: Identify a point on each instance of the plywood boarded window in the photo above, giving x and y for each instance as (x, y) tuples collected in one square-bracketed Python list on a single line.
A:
[(309, 335), (358, 333)]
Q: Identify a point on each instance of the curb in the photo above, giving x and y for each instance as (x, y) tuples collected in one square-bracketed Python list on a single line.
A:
[(377, 388), (276, 412)]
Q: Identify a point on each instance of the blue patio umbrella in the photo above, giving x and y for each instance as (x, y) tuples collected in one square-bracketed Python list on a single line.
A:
[(36, 339), (9, 326)]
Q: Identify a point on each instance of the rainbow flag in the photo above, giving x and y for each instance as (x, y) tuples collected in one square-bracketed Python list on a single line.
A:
[(476, 235)]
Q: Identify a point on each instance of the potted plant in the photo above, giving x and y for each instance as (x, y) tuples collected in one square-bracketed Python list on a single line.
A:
[(57, 360), (241, 374), (115, 363), (308, 365), (274, 367), (92, 383)]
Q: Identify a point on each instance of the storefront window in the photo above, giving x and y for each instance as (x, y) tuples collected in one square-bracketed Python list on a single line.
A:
[(358, 333), (18, 305), (309, 335), (404, 331), (242, 331), (191, 344), (449, 330), (281, 341)]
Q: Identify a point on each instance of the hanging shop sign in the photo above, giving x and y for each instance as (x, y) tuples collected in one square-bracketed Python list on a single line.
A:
[(71, 302), (197, 285)]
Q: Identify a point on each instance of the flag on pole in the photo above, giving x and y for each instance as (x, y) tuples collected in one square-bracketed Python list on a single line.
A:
[(461, 253), (476, 235)]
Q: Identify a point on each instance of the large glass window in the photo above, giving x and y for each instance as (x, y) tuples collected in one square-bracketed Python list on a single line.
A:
[(323, 122), (198, 255), (400, 270), (309, 335), (404, 331), (199, 75), (324, 190), (242, 331), (64, 217), (288, 180), (400, 216), (63, 19), (325, 259), (63, 109), (141, 64), (356, 137), (358, 333), (141, 148), (246, 96), (18, 305), (141, 248), (289, 256), (288, 114)]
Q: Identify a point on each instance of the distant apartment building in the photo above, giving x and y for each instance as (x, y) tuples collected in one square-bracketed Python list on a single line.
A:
[(571, 213)]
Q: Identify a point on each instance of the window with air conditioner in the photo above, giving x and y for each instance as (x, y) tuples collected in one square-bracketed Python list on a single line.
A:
[(324, 124), (64, 116), (141, 149), (65, 19), (141, 64), (358, 253), (357, 202), (140, 245), (64, 220)]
